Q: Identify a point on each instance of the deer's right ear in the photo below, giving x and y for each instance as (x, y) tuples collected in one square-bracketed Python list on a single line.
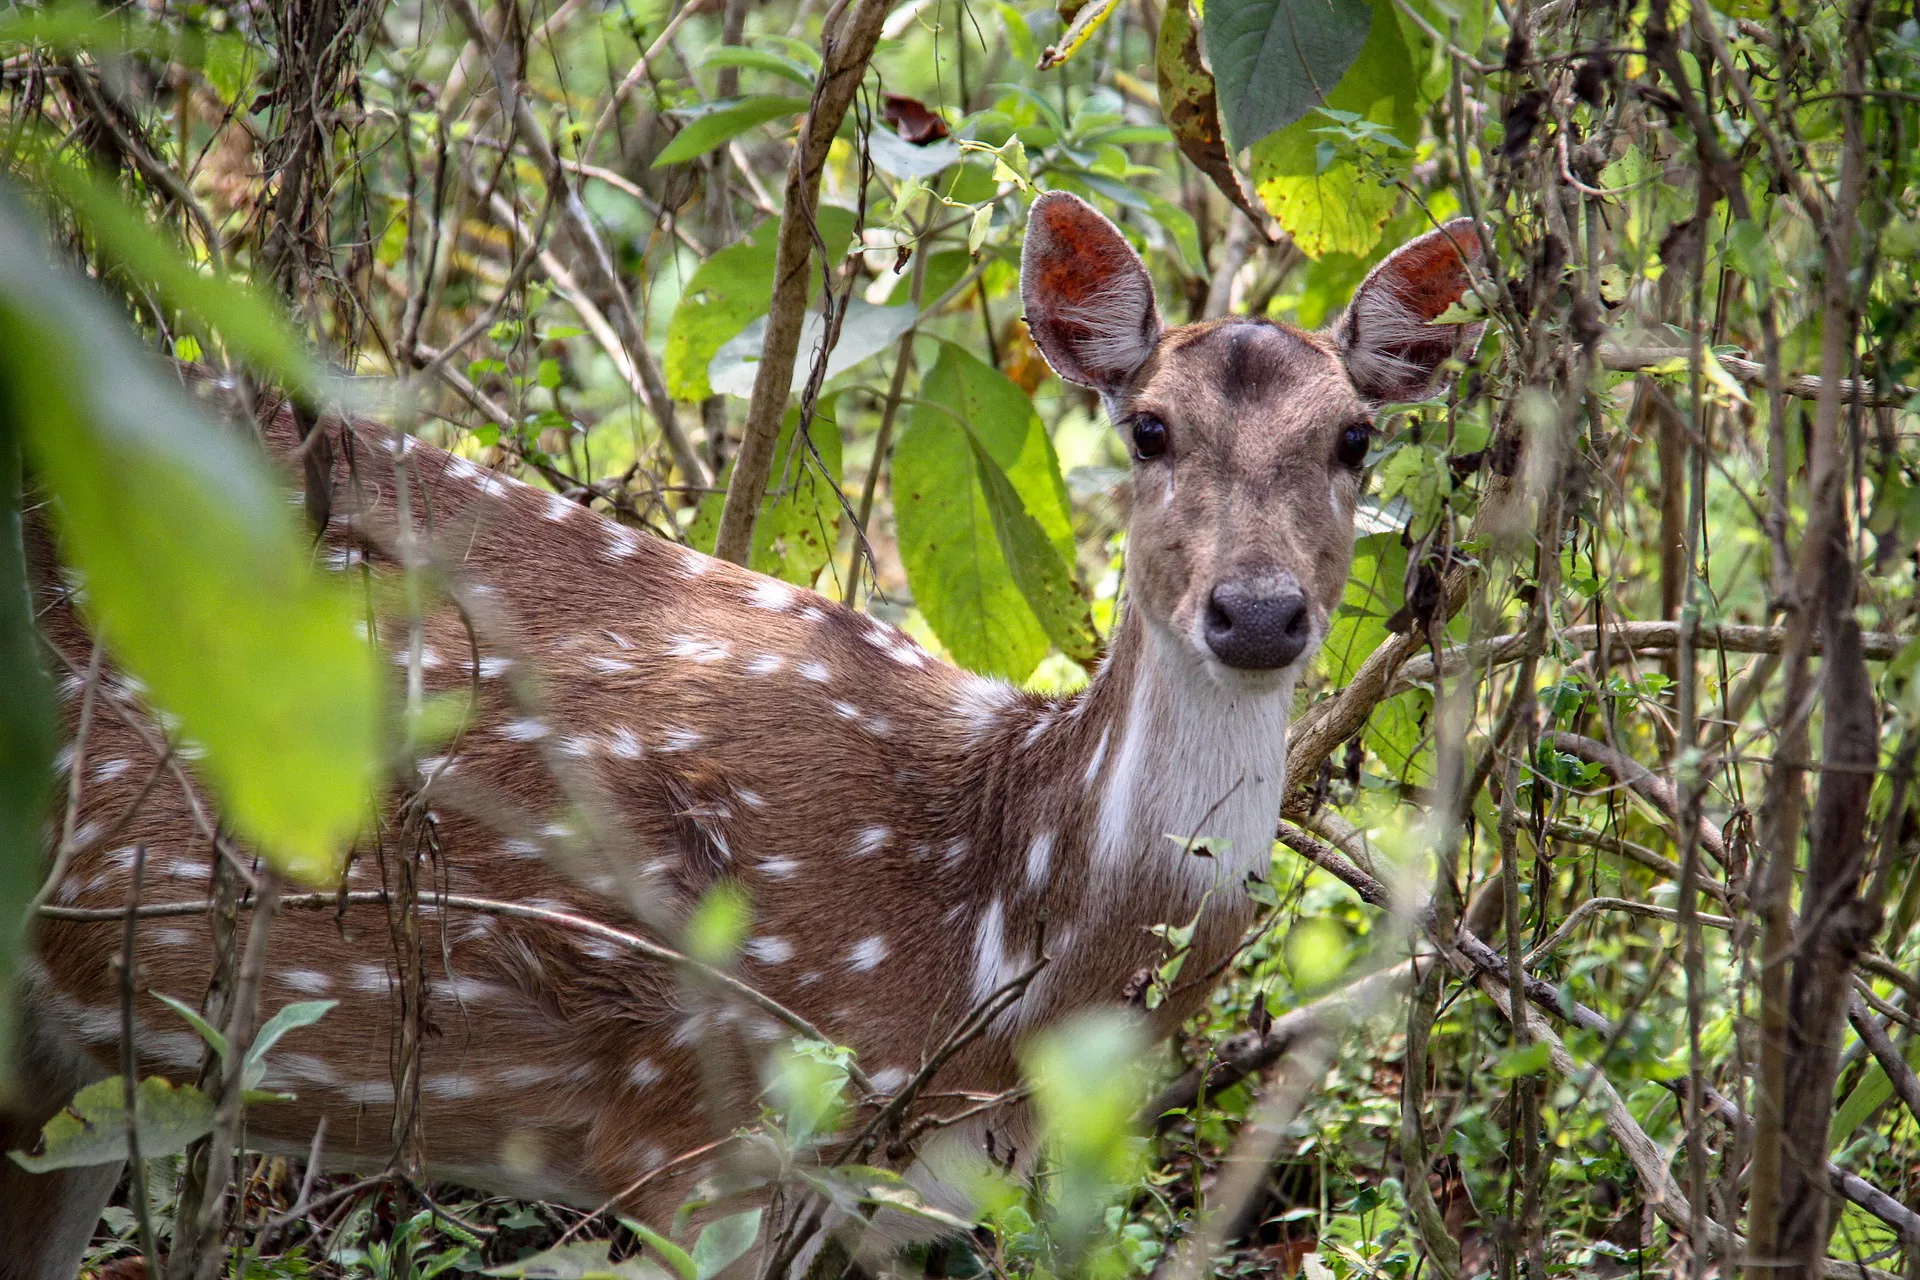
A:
[(1088, 297)]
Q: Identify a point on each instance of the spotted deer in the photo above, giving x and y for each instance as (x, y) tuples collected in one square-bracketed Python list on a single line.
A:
[(908, 835)]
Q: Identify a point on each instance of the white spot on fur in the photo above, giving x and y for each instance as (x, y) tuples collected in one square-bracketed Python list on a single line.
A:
[(869, 842), (108, 769), (530, 1075), (956, 850), (524, 730), (607, 666), (622, 542), (371, 977), (521, 848), (1039, 859), (846, 710), (770, 950), (579, 745), (765, 664), (1099, 758), (174, 937), (1039, 727), (558, 508), (624, 744), (494, 668), (993, 968), (867, 954), (887, 1079), (751, 799), (680, 740), (643, 1073), (460, 469), (815, 670), (696, 649), (780, 868), (769, 593), (311, 981), (981, 703), (450, 1087), (368, 1093)]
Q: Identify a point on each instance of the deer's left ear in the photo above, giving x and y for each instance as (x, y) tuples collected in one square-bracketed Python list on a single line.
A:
[(1088, 297), (1391, 349)]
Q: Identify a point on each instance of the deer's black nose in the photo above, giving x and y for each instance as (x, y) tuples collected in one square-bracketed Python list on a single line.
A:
[(1258, 626)]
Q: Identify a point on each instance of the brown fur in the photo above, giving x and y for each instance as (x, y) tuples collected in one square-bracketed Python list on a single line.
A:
[(902, 828)]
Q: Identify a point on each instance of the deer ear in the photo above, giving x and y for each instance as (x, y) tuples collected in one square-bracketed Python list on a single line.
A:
[(1088, 297), (1391, 349)]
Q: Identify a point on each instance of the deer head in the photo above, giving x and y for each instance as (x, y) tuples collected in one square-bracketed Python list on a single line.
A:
[(1248, 437)]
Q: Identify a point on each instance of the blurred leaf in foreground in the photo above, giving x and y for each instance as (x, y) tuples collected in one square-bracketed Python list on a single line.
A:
[(193, 568)]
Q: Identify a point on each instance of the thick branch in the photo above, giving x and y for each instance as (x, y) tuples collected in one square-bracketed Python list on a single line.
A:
[(847, 49), (1753, 373)]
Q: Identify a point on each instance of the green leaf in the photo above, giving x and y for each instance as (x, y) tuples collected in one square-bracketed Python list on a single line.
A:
[(1191, 107), (92, 1129), (1865, 1098), (1042, 576), (1087, 21), (950, 541), (214, 1037), (799, 520), (724, 295), (27, 726), (196, 576), (577, 1260), (679, 1259), (1276, 60), (301, 1013), (1529, 1060), (251, 326), (716, 127), (724, 1242), (1335, 202), (739, 55)]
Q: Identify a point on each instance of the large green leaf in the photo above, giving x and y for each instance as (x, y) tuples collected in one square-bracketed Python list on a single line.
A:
[(724, 1242), (720, 124), (1327, 195), (26, 727), (92, 1129), (195, 572), (799, 521), (980, 508), (1276, 60), (724, 295)]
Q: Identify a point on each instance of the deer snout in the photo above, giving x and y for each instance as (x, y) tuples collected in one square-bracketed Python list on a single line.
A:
[(1258, 624)]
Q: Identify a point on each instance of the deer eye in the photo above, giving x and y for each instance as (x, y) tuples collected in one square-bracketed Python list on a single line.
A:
[(1355, 440), (1149, 437)]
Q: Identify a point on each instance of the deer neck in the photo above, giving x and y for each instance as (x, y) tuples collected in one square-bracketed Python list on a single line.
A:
[(1179, 756)]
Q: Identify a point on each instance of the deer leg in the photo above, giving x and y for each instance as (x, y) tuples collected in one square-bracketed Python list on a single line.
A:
[(46, 1219)]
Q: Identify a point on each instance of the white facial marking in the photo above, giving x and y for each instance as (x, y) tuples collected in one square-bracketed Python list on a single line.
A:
[(867, 953)]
